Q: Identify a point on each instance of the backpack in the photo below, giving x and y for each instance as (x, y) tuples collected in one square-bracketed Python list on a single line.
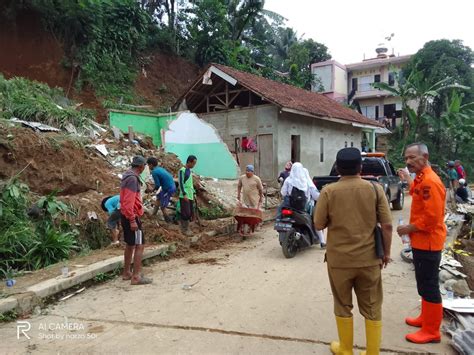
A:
[(298, 199), (104, 201)]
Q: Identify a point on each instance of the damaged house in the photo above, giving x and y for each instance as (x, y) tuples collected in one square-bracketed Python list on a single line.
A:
[(267, 123)]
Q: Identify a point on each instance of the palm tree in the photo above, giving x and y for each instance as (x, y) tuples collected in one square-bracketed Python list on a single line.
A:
[(418, 89)]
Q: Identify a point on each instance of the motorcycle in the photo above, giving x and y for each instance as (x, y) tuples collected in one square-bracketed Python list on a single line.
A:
[(295, 230)]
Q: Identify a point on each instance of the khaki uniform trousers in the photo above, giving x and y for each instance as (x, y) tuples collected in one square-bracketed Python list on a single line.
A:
[(367, 284)]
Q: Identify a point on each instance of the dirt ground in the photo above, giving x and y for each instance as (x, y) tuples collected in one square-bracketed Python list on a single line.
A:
[(245, 298)]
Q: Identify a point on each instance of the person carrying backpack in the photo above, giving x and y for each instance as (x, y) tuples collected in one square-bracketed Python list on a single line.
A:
[(298, 190)]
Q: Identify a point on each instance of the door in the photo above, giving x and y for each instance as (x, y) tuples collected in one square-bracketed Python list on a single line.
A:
[(295, 149), (265, 157)]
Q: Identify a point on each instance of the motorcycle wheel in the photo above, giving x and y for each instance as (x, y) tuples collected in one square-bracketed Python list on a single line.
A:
[(407, 255), (289, 246)]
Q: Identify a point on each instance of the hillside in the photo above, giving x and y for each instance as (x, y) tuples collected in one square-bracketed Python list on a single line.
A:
[(34, 53)]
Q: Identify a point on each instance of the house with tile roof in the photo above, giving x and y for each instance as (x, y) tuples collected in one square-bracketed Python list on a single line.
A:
[(267, 123)]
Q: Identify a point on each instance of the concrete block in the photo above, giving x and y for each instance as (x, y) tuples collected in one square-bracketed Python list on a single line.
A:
[(52, 286), (8, 304)]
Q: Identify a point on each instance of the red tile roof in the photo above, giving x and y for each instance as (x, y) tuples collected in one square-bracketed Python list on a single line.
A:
[(291, 97)]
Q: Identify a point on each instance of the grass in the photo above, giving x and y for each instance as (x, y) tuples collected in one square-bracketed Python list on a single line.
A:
[(8, 316)]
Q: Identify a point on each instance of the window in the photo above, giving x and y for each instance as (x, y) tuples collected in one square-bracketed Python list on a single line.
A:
[(377, 78), (352, 144), (321, 150), (391, 78), (377, 112), (354, 83), (365, 83), (368, 111), (345, 144)]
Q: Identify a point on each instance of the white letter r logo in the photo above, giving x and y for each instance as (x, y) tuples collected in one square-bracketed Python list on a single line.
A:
[(23, 327)]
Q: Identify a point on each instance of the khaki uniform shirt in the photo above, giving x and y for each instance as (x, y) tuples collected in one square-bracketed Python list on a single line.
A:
[(347, 209), (252, 189)]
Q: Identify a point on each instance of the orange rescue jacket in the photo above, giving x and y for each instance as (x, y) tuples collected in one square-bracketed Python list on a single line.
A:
[(427, 211)]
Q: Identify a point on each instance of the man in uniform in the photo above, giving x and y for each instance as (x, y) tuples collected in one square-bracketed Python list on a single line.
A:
[(186, 193), (351, 209), (427, 232)]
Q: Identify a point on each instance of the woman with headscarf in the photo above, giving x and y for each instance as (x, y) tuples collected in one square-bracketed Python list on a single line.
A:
[(299, 178)]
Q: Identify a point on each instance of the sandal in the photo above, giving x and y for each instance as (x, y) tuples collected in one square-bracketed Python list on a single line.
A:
[(143, 281)]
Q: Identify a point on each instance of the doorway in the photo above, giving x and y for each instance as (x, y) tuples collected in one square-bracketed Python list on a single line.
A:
[(295, 149)]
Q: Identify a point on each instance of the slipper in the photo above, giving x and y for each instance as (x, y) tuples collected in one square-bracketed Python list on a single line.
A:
[(143, 281), (128, 278)]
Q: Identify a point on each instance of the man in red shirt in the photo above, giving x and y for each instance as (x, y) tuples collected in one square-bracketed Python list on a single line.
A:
[(131, 207), (427, 232)]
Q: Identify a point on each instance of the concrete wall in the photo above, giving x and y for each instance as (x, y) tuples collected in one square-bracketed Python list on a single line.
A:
[(324, 73), (263, 120), (311, 130), (340, 80), (149, 124), (248, 121)]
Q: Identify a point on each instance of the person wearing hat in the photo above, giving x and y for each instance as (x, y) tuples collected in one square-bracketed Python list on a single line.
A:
[(453, 175), (251, 188), (131, 208), (427, 232), (350, 209), (462, 195), (186, 194)]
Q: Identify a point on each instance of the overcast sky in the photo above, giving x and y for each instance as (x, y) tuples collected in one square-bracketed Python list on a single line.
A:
[(351, 28)]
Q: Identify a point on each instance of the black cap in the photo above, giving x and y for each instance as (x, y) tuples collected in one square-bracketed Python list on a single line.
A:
[(348, 158), (138, 161)]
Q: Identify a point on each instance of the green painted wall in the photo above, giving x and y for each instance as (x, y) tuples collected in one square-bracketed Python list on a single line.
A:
[(214, 159), (144, 123)]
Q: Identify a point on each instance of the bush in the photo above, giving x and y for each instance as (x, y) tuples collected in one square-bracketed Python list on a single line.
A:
[(34, 101), (214, 211), (29, 244)]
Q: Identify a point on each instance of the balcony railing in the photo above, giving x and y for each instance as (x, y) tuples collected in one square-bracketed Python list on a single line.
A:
[(369, 86)]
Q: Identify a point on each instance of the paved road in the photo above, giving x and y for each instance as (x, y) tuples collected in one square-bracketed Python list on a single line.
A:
[(251, 300)]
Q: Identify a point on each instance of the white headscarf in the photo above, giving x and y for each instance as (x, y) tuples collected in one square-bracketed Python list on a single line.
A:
[(308, 177), (298, 177)]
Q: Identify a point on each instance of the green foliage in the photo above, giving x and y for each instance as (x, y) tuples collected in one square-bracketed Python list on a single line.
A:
[(103, 277), (32, 244), (103, 39), (214, 211), (8, 316), (34, 101), (440, 59)]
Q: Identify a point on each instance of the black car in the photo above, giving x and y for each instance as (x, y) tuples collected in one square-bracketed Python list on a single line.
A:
[(375, 167)]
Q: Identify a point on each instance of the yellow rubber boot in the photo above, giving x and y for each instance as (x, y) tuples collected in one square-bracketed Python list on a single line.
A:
[(373, 335), (345, 329)]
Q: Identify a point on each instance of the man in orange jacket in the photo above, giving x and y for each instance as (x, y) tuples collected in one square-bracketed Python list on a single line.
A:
[(427, 232)]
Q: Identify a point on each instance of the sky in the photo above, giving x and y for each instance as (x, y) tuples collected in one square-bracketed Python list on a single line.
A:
[(351, 29)]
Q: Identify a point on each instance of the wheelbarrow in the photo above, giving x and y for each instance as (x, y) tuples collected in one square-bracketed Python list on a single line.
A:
[(247, 219)]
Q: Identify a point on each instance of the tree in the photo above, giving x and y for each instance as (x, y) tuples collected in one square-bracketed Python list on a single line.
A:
[(441, 59), (210, 33)]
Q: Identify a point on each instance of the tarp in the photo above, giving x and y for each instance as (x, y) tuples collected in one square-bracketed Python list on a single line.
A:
[(189, 135)]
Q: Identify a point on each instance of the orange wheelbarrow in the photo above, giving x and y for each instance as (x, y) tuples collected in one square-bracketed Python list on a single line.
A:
[(247, 219)]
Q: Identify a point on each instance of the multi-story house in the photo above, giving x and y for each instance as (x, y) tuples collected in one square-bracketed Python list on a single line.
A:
[(353, 84)]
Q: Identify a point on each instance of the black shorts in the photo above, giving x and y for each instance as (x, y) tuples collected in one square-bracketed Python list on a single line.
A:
[(132, 237)]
